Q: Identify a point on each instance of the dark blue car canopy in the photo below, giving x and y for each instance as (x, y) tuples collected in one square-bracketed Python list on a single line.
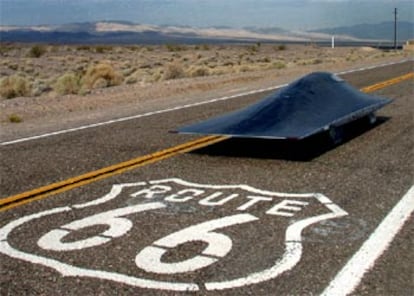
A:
[(316, 102)]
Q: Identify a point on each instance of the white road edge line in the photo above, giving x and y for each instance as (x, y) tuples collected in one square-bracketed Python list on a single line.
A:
[(364, 259), (176, 108), (139, 116)]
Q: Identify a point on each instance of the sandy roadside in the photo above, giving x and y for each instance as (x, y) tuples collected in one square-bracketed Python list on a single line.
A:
[(51, 113)]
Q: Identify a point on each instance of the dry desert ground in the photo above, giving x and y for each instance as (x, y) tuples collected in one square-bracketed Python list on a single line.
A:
[(63, 85)]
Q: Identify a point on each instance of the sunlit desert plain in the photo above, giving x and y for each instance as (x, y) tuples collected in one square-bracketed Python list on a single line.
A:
[(47, 81)]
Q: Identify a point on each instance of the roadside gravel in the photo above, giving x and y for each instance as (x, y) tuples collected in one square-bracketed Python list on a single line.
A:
[(50, 113)]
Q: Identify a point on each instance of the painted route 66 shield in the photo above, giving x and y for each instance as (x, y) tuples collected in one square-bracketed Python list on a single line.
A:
[(172, 235)]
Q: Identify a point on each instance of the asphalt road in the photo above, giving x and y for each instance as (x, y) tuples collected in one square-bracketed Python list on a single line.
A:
[(239, 217)]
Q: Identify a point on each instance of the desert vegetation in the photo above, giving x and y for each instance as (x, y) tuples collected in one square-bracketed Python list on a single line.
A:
[(14, 118), (14, 86), (55, 70)]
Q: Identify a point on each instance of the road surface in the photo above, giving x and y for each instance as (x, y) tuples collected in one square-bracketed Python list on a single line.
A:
[(129, 208)]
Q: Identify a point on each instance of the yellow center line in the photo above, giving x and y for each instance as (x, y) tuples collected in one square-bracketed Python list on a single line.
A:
[(387, 83), (71, 183), (62, 186)]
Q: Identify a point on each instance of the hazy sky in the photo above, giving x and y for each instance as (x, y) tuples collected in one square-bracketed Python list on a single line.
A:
[(288, 14)]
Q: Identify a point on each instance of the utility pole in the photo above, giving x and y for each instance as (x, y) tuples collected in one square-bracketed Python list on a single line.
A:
[(395, 28)]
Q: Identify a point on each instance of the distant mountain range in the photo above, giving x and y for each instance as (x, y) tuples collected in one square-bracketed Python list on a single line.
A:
[(130, 33), (382, 31)]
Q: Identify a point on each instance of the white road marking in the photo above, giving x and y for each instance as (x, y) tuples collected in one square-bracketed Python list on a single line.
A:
[(219, 242), (352, 273), (218, 245), (65, 131), (117, 225)]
